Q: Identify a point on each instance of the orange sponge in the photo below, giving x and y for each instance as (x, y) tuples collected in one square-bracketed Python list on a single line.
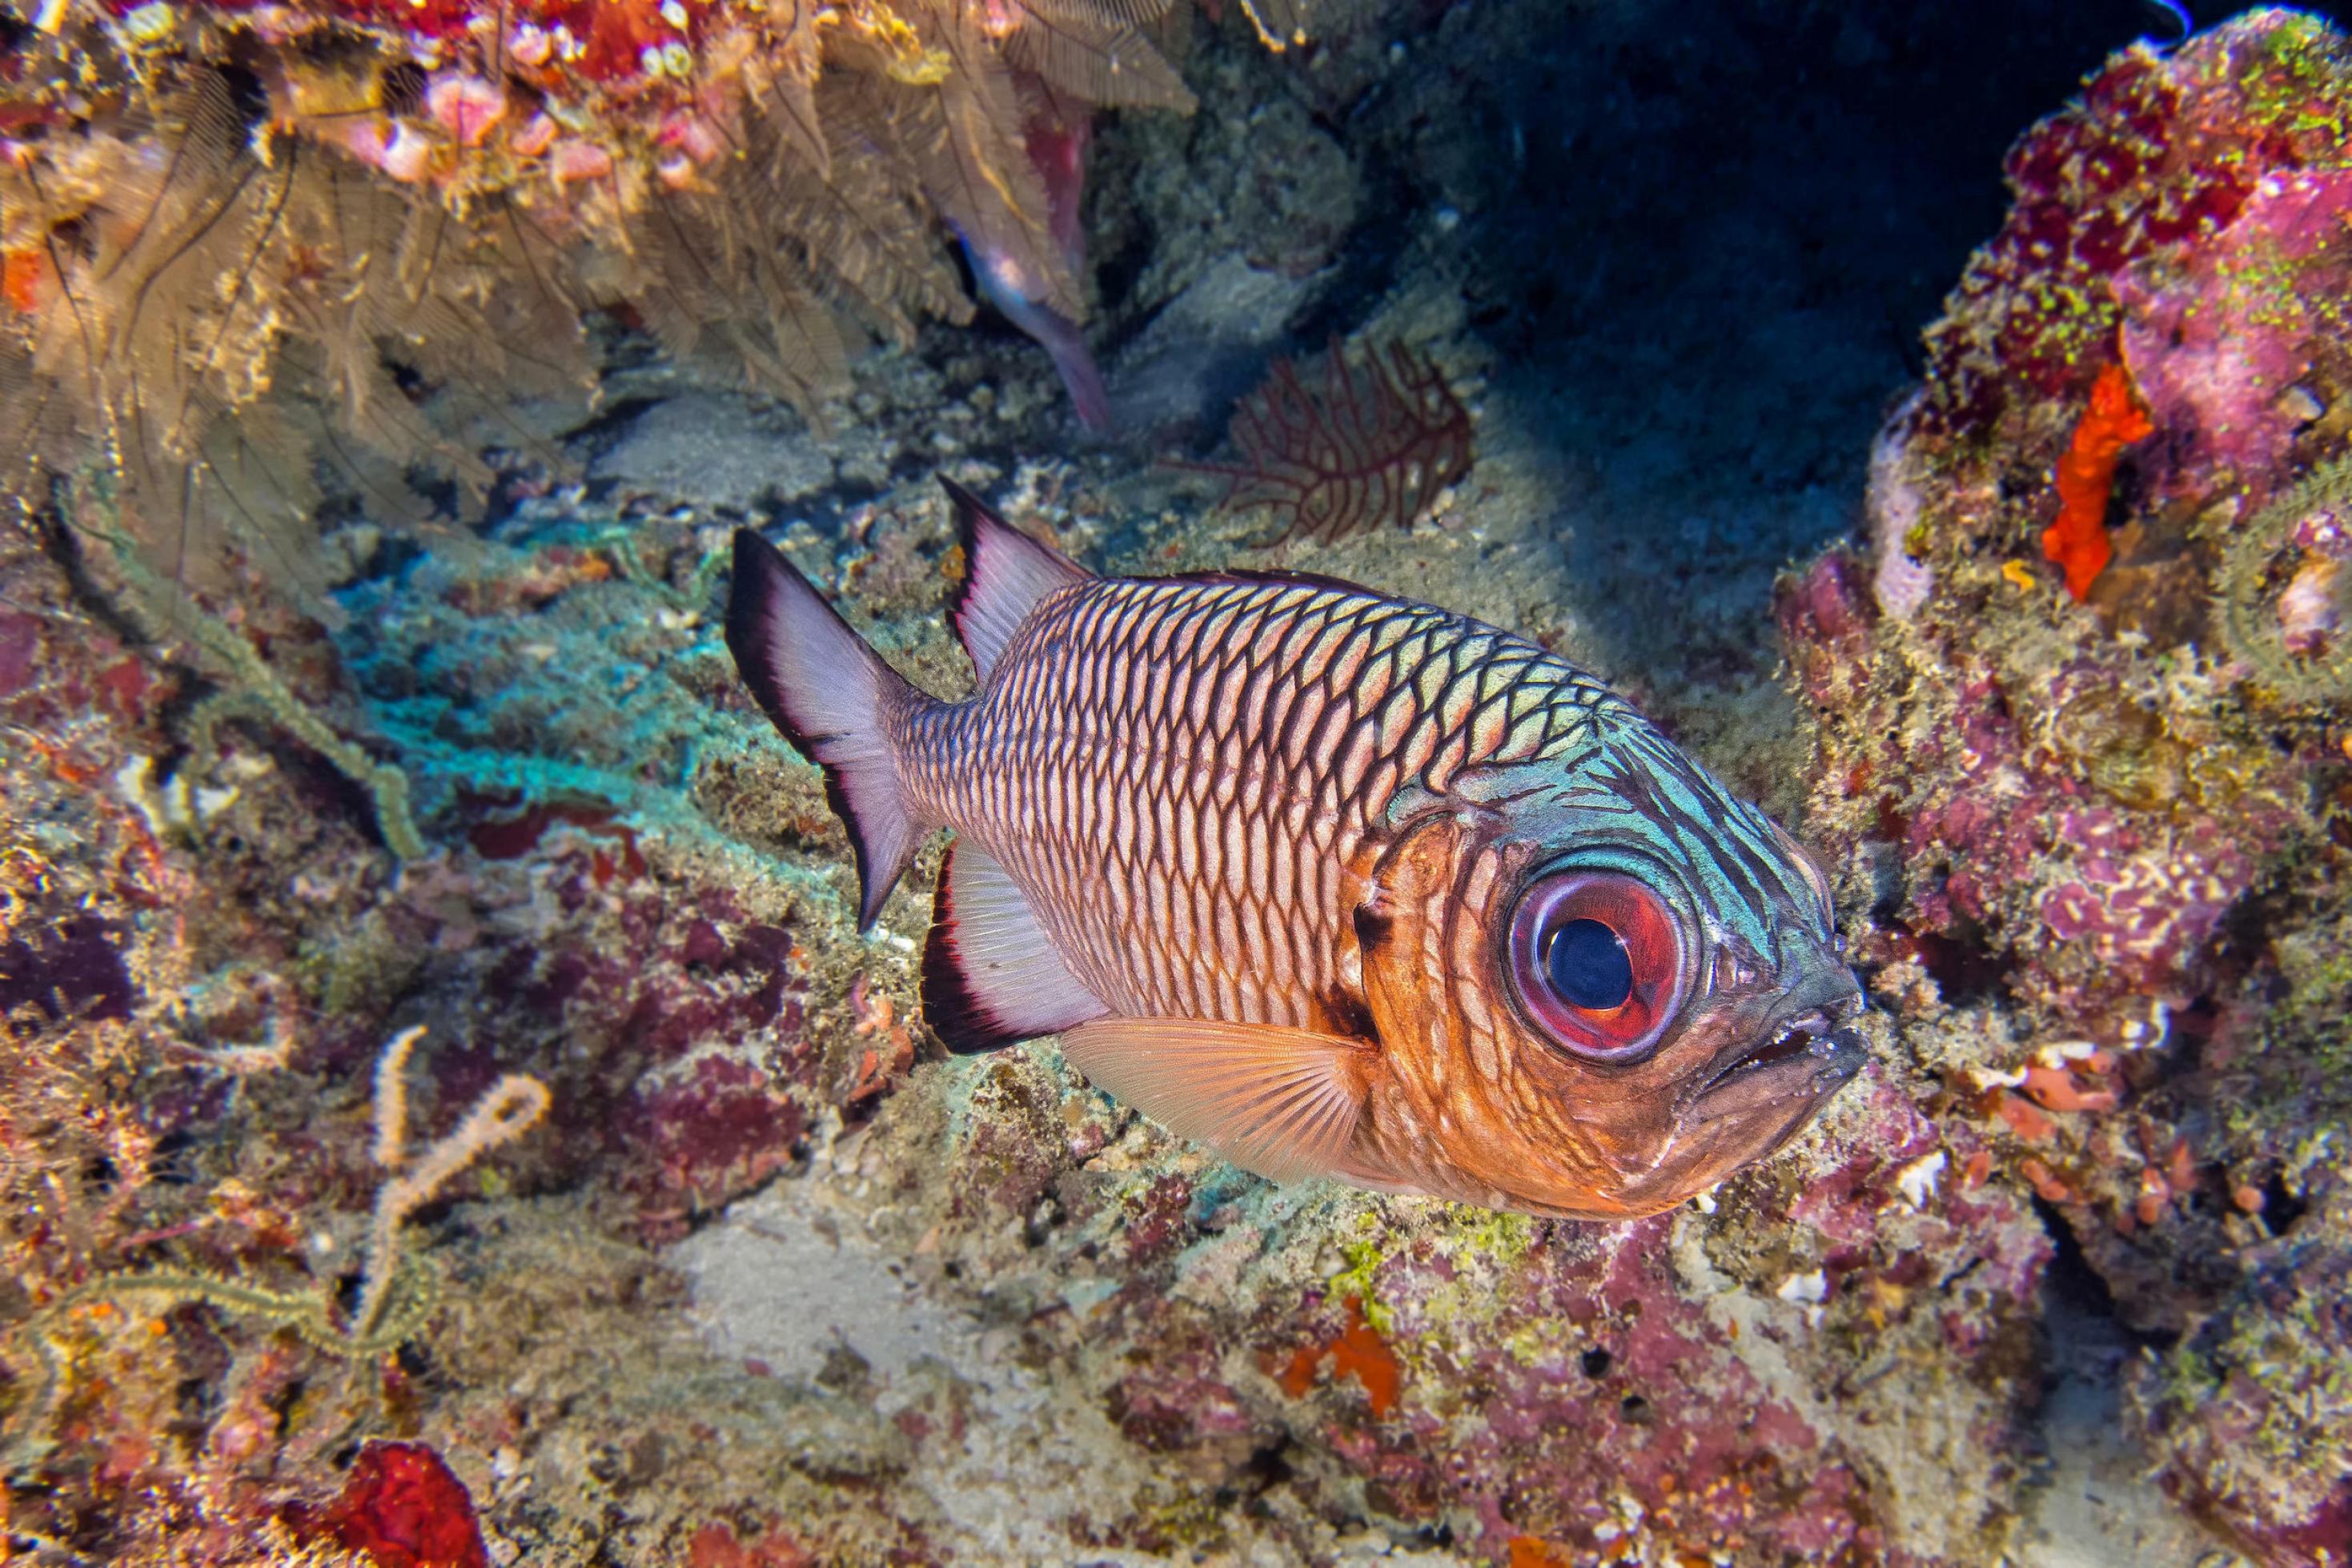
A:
[(2078, 539)]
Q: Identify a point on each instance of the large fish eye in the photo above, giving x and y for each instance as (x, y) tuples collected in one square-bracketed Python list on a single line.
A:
[(1586, 963), (1597, 958)]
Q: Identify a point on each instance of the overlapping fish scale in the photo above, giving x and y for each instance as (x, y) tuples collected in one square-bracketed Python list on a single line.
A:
[(1216, 751)]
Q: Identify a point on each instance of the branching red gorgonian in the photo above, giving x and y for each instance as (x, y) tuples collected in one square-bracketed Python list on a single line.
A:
[(1365, 446)]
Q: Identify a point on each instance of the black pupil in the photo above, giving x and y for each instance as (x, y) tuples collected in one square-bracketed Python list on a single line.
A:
[(1589, 966)]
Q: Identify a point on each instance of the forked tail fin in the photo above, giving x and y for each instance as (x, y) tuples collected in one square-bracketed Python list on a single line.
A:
[(832, 696)]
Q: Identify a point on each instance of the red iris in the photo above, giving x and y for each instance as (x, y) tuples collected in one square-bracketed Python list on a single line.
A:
[(1597, 960)]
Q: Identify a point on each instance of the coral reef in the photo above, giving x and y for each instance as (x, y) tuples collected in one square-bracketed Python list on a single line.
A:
[(2101, 844), (774, 1280), (959, 1276), (2160, 154), (2253, 1414)]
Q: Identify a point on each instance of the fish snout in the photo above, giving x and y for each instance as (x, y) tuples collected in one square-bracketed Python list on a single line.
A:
[(1807, 1052)]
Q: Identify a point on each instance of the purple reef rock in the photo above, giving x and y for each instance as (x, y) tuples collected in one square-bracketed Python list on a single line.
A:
[(2098, 853)]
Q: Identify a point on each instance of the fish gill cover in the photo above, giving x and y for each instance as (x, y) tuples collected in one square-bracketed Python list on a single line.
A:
[(352, 682)]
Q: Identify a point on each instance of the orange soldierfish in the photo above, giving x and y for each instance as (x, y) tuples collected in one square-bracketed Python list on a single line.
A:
[(1338, 884)]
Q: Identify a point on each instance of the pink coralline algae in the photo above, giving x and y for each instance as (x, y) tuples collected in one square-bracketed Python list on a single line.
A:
[(700, 1136), (1177, 1399), (1619, 1410), (2181, 231), (1827, 600), (403, 1506), (2218, 336), (2160, 155), (1567, 1431), (1880, 1231), (20, 642), (705, 1077), (2145, 909), (2069, 857), (2104, 846)]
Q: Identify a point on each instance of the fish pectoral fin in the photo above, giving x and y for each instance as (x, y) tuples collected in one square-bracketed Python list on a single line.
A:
[(991, 974), (1282, 1102)]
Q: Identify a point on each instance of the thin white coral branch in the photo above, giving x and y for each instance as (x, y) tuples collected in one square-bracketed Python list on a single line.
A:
[(515, 1105), (392, 1098)]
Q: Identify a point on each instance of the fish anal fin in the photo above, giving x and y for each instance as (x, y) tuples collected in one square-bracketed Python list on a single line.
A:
[(1006, 574), (1283, 1103), (991, 974)]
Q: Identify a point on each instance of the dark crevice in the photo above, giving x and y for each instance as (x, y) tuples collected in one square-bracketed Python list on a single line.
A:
[(1267, 1468), (1964, 970), (2078, 1307), (2281, 1205), (2070, 1281), (592, 438)]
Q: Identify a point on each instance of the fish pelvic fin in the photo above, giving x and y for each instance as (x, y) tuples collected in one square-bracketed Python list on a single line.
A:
[(832, 698), (991, 974), (1006, 574), (1283, 1103)]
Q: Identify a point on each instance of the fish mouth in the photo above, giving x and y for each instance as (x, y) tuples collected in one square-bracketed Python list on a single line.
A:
[(1801, 1061)]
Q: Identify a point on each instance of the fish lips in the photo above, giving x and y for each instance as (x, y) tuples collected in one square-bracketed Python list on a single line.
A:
[(1787, 1070), (1757, 1093)]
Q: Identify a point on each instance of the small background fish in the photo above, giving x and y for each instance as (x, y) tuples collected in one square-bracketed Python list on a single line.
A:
[(1339, 884)]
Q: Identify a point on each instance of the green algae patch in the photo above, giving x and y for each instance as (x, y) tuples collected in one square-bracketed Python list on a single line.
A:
[(1364, 1259), (1499, 1239)]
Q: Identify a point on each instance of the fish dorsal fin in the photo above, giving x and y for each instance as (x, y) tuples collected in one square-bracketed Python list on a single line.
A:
[(1283, 1103), (991, 975), (1005, 573)]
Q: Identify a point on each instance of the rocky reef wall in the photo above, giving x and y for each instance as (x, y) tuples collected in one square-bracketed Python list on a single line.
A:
[(774, 1280)]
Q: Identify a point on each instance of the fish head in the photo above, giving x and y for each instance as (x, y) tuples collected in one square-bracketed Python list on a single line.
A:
[(1596, 1000)]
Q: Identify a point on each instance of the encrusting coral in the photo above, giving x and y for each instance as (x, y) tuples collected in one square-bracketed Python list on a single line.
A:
[(2101, 822), (2284, 599)]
